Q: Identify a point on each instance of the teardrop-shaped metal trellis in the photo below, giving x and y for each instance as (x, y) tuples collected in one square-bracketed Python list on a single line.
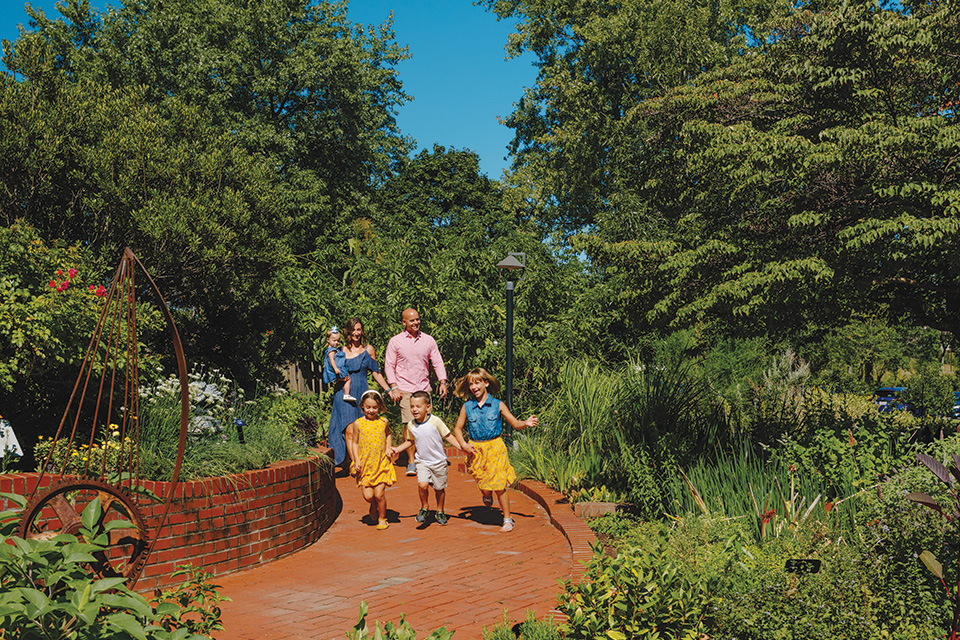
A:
[(107, 393)]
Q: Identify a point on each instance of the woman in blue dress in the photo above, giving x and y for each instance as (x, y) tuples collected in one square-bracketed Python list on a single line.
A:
[(361, 358)]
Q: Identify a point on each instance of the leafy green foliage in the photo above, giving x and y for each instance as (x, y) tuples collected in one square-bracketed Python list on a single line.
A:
[(193, 605), (268, 428), (947, 475), (641, 593), (45, 591), (390, 631), (529, 629)]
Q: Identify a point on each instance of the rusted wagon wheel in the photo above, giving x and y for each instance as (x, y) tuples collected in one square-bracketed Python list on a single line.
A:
[(58, 510)]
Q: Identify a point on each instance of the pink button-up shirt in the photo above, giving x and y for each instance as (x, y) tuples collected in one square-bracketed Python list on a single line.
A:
[(407, 361)]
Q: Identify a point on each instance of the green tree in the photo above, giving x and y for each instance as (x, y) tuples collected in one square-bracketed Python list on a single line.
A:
[(818, 177), (438, 232), (575, 144), (292, 81), (100, 167)]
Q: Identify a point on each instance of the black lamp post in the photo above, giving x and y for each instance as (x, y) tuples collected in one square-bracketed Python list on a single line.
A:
[(510, 264)]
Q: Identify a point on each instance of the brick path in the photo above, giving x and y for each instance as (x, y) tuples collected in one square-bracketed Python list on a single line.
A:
[(463, 576)]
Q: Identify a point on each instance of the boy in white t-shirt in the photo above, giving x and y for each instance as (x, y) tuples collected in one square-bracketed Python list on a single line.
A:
[(428, 432)]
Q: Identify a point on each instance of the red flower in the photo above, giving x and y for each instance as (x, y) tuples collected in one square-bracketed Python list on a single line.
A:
[(828, 506), (53, 284), (768, 515), (101, 292), (59, 272), (71, 272)]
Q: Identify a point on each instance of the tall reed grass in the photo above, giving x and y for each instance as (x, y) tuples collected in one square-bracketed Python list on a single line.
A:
[(740, 483)]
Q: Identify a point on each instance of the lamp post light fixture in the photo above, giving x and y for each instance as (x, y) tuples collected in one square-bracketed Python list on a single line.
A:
[(513, 262)]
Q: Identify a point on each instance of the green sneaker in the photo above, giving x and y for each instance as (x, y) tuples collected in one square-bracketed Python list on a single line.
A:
[(441, 518), (422, 515)]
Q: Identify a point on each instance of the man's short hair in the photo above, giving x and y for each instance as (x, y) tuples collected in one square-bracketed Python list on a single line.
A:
[(425, 395)]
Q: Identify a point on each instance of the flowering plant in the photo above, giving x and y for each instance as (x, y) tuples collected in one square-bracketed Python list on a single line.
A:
[(108, 454), (213, 399)]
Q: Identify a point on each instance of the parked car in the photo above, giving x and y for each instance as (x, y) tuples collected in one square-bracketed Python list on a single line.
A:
[(956, 404), (891, 399)]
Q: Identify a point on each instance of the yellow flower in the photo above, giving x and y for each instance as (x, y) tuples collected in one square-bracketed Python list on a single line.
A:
[(116, 434)]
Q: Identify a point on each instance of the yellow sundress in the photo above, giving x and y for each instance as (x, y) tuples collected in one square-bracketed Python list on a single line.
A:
[(491, 466), (376, 466)]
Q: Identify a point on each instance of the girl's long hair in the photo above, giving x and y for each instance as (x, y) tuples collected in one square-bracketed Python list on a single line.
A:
[(462, 389)]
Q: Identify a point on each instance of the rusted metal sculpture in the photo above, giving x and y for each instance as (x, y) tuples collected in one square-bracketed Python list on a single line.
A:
[(107, 393)]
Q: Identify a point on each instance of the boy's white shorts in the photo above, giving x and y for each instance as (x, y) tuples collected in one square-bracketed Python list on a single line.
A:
[(435, 474)]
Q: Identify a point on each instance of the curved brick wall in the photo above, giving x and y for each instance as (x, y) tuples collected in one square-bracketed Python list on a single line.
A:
[(233, 522)]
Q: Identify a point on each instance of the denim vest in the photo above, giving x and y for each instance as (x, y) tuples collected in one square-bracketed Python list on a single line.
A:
[(483, 423)]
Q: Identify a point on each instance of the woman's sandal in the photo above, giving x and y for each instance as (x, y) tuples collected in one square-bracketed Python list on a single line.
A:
[(507, 525)]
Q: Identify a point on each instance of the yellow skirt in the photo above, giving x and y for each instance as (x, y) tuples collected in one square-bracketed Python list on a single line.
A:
[(491, 466), (377, 469)]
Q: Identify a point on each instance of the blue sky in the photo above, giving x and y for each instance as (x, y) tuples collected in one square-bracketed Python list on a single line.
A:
[(457, 73)]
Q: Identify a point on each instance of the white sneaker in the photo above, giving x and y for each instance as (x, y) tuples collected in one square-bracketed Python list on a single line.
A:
[(347, 398), (412, 469)]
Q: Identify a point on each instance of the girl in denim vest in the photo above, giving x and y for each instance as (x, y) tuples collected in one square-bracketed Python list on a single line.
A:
[(487, 459)]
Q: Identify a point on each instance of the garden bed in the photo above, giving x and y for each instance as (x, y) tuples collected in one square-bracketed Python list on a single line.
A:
[(232, 522)]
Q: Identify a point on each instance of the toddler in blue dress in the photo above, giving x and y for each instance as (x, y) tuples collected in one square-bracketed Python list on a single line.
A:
[(335, 363)]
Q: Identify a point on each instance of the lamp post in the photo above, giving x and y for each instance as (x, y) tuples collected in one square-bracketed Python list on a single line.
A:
[(511, 263)]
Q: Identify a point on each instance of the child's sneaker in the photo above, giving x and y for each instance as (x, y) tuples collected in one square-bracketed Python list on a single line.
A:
[(441, 518), (383, 524), (422, 515), (507, 525), (349, 399)]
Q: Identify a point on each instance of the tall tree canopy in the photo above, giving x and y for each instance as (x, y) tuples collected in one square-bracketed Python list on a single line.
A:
[(598, 62), (292, 80), (230, 144), (777, 188), (814, 179)]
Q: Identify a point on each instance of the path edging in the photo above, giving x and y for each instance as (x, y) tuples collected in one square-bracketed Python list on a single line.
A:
[(562, 517)]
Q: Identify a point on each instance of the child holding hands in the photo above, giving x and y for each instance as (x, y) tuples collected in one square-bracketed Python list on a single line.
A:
[(482, 415), (427, 432), (369, 445)]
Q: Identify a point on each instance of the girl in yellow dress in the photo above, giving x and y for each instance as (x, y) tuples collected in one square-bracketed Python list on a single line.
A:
[(368, 439), (487, 459)]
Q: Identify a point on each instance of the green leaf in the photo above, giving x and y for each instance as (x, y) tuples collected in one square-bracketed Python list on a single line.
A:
[(91, 514), (932, 564), (126, 623)]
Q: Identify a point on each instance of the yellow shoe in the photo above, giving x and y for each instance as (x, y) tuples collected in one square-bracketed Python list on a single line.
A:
[(383, 524)]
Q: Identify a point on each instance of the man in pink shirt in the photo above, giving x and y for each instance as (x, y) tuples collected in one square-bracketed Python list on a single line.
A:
[(407, 367)]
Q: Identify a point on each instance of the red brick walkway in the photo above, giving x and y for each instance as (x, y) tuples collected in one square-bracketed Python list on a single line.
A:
[(463, 576)]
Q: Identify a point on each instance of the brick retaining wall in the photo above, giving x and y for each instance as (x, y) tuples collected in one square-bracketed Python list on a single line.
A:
[(230, 523)]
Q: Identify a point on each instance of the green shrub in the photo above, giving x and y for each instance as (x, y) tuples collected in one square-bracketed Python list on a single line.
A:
[(641, 593), (269, 428), (529, 629), (47, 593)]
